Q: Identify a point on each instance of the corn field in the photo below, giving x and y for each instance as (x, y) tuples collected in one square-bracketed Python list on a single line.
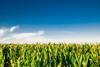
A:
[(49, 55)]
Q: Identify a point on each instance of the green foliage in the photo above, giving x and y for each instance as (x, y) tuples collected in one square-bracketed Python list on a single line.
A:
[(49, 55)]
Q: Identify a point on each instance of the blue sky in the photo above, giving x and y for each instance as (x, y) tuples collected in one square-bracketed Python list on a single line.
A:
[(60, 19)]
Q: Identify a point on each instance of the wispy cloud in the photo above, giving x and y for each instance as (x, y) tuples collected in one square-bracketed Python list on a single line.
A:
[(9, 35), (12, 29), (27, 34)]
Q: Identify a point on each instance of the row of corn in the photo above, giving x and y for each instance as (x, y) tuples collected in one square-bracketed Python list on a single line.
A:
[(50, 55)]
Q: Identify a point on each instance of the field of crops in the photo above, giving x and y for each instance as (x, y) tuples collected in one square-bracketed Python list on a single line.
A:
[(50, 55)]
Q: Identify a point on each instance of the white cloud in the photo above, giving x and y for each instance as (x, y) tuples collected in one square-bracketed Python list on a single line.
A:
[(12, 29), (9, 35), (7, 31), (26, 35), (3, 31)]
